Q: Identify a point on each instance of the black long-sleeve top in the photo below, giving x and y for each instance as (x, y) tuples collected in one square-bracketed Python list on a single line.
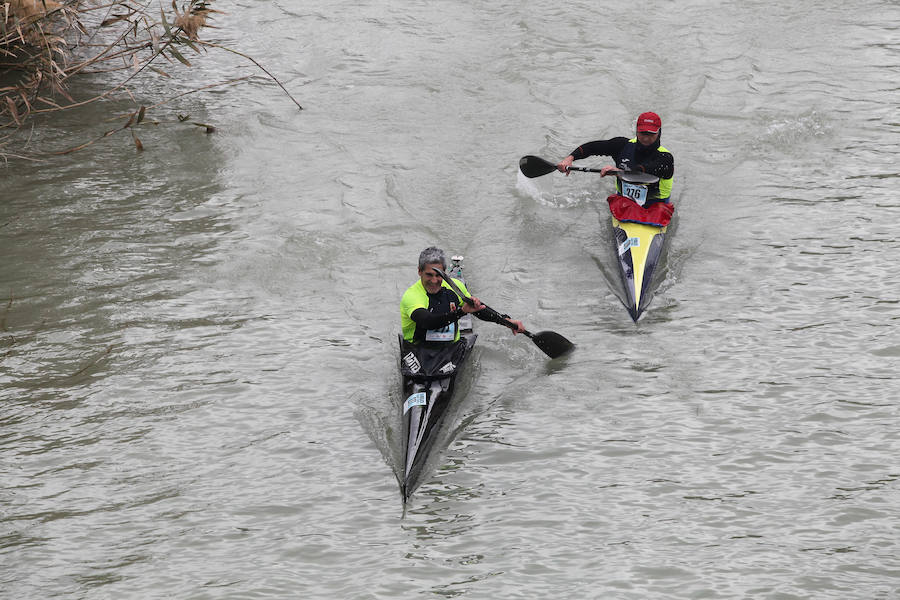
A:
[(439, 314)]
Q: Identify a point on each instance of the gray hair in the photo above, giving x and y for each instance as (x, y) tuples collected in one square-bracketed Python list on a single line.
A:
[(432, 255)]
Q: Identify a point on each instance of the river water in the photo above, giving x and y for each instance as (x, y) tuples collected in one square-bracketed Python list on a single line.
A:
[(198, 389)]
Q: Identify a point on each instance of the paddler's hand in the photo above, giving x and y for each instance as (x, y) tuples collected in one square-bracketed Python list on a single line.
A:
[(519, 327), (474, 307), (604, 171), (564, 164)]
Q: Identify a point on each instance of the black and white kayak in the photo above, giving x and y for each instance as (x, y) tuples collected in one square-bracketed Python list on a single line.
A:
[(430, 373)]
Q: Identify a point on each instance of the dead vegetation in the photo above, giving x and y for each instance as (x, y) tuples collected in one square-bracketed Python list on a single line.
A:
[(44, 44)]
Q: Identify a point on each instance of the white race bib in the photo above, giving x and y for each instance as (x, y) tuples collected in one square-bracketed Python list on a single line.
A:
[(417, 399), (638, 193), (444, 334), (627, 244)]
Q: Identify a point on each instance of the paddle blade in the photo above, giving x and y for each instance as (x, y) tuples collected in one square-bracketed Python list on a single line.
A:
[(552, 344), (535, 166)]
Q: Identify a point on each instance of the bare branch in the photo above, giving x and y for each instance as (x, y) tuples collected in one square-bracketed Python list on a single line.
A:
[(44, 44)]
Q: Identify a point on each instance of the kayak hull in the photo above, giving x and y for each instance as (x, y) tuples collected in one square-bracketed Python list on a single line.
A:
[(427, 398), (639, 248)]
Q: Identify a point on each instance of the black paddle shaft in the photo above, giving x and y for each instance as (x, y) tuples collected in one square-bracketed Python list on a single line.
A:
[(551, 343), (500, 318), (535, 166)]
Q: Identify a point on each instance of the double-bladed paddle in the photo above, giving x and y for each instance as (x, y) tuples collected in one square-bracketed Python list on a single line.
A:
[(551, 343), (535, 166)]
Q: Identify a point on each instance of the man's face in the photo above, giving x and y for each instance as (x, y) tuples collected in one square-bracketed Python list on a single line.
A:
[(645, 138), (430, 278)]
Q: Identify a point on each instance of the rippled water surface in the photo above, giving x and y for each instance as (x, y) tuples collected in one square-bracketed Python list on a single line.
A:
[(198, 342)]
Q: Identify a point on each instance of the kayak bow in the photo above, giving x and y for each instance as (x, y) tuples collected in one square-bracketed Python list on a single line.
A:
[(639, 249)]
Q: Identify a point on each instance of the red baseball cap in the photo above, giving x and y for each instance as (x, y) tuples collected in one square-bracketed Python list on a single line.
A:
[(649, 122)]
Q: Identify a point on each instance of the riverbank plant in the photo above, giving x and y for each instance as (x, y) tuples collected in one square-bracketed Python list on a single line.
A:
[(46, 44)]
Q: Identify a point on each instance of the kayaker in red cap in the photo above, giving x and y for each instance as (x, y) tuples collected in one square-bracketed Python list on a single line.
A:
[(641, 153)]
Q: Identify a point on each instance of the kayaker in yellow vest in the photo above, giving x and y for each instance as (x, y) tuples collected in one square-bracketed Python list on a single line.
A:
[(429, 310), (641, 153)]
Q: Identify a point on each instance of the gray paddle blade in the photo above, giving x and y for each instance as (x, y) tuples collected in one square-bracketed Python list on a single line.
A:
[(552, 344)]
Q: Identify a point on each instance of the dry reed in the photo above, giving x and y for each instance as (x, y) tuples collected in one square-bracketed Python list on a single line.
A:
[(45, 43)]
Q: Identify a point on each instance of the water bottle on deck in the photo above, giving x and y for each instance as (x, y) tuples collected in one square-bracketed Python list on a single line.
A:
[(455, 271)]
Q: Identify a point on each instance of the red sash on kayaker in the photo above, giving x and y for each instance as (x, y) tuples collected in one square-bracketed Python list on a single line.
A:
[(627, 210)]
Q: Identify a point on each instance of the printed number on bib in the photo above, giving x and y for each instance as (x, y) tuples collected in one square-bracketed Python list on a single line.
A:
[(638, 193)]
